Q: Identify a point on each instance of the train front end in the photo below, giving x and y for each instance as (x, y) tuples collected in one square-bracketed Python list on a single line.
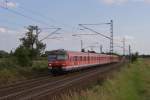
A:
[(57, 60)]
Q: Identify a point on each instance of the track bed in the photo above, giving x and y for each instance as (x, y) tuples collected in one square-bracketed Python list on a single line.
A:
[(48, 87)]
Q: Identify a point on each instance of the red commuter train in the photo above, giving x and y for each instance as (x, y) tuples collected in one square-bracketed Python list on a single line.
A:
[(62, 60)]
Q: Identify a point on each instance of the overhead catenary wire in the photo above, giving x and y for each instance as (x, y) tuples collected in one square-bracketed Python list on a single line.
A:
[(23, 15), (31, 18), (54, 32), (82, 25), (37, 13), (44, 17)]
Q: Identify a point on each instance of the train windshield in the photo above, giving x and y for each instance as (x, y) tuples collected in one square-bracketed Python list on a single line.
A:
[(57, 57)]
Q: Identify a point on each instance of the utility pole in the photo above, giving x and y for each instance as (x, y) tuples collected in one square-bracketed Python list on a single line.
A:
[(112, 37), (37, 30), (124, 46), (81, 45), (52, 33), (130, 56), (5, 4), (101, 48)]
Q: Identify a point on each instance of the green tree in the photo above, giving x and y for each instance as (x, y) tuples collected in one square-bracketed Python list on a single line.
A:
[(134, 56), (30, 47), (3, 54), (31, 42)]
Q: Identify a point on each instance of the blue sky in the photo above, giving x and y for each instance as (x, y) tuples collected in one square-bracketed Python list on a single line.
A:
[(131, 20)]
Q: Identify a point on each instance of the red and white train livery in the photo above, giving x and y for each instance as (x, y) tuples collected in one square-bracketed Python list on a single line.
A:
[(61, 60)]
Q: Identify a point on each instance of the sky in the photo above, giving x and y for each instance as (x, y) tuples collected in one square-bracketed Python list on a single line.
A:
[(130, 17)]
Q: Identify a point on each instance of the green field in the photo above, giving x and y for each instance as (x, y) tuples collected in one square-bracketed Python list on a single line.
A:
[(131, 83)]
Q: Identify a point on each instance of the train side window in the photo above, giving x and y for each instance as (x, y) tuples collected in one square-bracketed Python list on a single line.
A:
[(80, 58), (76, 58), (71, 58)]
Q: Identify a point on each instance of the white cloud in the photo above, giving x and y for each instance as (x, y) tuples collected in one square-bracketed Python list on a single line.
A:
[(10, 32), (3, 30), (12, 5), (8, 4), (118, 2), (127, 37), (146, 1)]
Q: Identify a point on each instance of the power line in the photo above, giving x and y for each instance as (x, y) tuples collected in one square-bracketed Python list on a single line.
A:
[(54, 32), (23, 15), (94, 31), (42, 16), (28, 17), (36, 13), (111, 37)]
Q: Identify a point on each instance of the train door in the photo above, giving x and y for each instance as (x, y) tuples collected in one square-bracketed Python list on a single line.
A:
[(75, 60)]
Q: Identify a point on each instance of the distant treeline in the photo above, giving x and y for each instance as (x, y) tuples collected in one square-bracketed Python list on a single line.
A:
[(144, 56), (3, 54)]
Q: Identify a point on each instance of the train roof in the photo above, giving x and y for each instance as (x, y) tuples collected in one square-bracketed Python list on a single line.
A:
[(78, 53)]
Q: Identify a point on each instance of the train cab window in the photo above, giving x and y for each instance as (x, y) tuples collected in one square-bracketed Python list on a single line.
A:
[(61, 57), (52, 57), (57, 57)]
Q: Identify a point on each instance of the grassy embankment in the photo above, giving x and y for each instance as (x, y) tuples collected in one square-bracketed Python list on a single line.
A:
[(10, 72), (131, 83)]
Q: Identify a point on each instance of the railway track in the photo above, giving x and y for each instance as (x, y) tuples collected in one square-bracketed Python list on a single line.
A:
[(37, 88)]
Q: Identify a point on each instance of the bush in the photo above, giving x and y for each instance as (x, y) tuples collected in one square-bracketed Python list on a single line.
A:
[(23, 56), (134, 57), (39, 66), (8, 62)]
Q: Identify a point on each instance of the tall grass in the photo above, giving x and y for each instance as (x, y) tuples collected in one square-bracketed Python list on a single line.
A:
[(10, 72), (131, 83)]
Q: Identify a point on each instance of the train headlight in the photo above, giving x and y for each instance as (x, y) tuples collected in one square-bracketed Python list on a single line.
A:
[(49, 64), (63, 64)]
